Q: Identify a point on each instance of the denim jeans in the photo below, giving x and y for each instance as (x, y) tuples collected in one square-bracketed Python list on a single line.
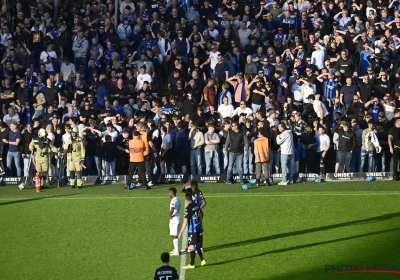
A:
[(364, 155), (287, 163), (238, 159), (382, 161), (26, 164), (355, 160), (225, 160), (255, 107), (212, 157), (274, 161), (248, 166), (195, 161), (38, 114), (344, 158), (110, 168), (89, 162), (17, 160)]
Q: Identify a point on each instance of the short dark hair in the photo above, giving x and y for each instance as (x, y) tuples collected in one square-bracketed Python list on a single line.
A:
[(165, 257), (262, 131), (173, 190), (195, 184)]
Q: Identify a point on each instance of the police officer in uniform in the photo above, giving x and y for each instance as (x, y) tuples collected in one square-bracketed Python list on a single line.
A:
[(40, 146), (75, 149)]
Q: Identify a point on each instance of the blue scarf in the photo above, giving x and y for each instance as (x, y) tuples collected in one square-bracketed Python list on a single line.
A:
[(222, 97)]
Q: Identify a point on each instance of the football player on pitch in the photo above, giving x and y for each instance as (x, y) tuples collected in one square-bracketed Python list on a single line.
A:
[(193, 223), (174, 219), (166, 272)]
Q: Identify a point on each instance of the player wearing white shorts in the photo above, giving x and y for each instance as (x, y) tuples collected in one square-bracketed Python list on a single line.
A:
[(174, 219)]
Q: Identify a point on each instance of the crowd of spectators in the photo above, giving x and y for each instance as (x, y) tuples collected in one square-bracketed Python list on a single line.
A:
[(201, 77)]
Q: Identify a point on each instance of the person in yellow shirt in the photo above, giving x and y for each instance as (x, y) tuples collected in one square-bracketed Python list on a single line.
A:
[(261, 155), (137, 149)]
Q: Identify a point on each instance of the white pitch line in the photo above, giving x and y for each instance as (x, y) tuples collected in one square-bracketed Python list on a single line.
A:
[(212, 196), (183, 256)]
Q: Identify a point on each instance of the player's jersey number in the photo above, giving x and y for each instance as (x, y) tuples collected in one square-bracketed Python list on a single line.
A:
[(165, 278)]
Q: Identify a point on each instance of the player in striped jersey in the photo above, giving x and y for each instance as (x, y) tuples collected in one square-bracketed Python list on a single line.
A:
[(330, 86), (193, 223), (192, 187)]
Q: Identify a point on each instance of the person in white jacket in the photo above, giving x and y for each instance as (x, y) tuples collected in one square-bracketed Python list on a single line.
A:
[(80, 47), (285, 141), (369, 144)]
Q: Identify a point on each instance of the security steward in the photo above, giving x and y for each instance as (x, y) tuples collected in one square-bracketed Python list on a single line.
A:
[(136, 153), (261, 154), (75, 150), (40, 146), (147, 157)]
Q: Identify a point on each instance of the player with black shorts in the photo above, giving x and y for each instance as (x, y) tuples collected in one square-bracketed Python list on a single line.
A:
[(166, 271), (192, 187), (193, 223)]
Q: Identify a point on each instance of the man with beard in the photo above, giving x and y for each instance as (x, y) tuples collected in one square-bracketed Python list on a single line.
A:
[(123, 152), (357, 107)]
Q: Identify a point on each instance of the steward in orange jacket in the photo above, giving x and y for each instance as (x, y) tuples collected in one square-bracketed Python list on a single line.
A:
[(261, 153), (137, 148)]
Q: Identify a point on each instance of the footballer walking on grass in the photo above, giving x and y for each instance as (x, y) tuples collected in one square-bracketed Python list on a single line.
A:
[(174, 219), (193, 223)]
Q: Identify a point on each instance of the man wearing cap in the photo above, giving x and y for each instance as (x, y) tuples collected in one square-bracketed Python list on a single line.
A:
[(137, 148)]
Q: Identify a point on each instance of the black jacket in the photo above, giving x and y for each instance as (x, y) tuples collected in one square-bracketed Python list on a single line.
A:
[(236, 142), (347, 139), (26, 140)]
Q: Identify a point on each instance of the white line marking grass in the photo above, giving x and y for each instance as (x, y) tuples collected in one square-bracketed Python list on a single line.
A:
[(183, 256)]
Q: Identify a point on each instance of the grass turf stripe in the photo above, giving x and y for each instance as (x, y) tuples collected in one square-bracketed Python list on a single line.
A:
[(212, 196)]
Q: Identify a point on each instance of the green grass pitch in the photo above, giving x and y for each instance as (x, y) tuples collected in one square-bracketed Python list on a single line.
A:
[(277, 233)]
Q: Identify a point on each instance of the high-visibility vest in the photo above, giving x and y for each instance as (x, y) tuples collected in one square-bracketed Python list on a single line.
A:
[(143, 136), (136, 149), (261, 149)]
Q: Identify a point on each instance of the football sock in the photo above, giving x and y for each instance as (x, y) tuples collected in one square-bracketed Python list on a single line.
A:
[(201, 241), (176, 242), (192, 256), (200, 253)]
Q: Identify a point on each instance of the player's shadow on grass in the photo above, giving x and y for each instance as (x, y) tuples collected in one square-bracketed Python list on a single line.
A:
[(33, 199), (305, 231), (283, 250)]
